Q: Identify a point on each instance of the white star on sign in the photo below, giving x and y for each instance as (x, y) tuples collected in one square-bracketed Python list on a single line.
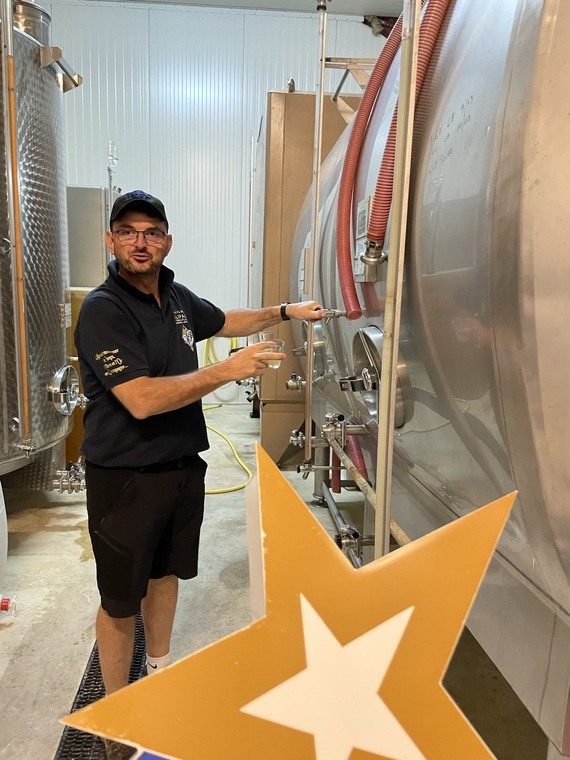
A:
[(336, 696)]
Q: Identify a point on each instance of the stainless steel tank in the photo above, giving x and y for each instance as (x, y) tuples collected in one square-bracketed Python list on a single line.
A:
[(484, 344), (36, 386)]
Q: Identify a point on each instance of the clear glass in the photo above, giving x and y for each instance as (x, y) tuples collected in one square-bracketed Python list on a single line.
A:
[(129, 235)]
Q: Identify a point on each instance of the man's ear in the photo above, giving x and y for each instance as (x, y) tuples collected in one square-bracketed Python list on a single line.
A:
[(110, 242)]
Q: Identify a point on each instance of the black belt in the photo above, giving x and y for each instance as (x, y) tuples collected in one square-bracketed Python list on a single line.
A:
[(175, 464)]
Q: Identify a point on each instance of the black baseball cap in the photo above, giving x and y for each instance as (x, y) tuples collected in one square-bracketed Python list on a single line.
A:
[(138, 200)]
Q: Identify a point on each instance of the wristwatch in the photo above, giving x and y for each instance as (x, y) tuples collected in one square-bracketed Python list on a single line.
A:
[(283, 310)]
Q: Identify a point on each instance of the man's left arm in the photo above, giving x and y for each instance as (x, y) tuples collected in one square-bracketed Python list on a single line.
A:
[(242, 322)]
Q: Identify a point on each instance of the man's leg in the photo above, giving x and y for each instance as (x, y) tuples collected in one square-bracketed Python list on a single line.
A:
[(158, 608), (115, 640)]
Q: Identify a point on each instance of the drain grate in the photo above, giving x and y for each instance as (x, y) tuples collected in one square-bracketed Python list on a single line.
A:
[(78, 745)]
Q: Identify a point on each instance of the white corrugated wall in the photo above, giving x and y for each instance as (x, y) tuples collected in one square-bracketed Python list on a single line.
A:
[(181, 90)]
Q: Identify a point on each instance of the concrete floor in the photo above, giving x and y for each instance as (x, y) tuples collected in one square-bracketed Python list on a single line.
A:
[(44, 648)]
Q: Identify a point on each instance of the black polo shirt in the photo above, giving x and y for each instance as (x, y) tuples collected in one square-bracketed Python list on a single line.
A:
[(123, 333)]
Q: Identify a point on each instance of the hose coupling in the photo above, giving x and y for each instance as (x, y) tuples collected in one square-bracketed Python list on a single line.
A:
[(374, 253)]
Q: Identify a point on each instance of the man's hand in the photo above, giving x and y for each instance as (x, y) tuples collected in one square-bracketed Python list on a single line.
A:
[(312, 311), (251, 360), (243, 322)]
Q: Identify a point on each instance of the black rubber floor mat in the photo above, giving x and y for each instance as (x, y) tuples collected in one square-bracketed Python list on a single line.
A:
[(77, 745)]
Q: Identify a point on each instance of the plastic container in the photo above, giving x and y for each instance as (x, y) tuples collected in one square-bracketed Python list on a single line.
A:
[(7, 606)]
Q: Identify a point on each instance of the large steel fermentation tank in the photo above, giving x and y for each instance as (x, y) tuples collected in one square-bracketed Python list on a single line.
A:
[(484, 347), (37, 387)]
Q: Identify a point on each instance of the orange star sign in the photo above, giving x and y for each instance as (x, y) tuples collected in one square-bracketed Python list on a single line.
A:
[(346, 663)]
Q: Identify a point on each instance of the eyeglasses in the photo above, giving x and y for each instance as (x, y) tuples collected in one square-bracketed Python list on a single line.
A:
[(129, 235)]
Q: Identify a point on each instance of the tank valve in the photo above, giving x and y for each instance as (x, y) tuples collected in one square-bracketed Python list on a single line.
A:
[(333, 314), (306, 468), (334, 428), (82, 401), (296, 383), (297, 439), (27, 448), (249, 382), (71, 480), (350, 538)]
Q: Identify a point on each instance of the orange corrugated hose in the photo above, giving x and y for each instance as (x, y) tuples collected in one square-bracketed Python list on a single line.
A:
[(355, 453), (430, 28), (356, 140), (335, 473), (431, 25)]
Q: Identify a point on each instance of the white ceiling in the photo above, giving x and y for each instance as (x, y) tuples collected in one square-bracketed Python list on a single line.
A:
[(351, 7)]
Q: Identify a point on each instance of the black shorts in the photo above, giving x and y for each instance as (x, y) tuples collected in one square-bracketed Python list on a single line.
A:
[(143, 524)]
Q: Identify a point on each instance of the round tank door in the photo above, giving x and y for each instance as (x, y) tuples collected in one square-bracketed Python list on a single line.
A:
[(367, 362), (63, 391)]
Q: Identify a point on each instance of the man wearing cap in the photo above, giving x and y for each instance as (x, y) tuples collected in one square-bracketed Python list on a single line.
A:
[(144, 429)]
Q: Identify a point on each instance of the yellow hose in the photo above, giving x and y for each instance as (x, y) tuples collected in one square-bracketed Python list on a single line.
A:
[(210, 357)]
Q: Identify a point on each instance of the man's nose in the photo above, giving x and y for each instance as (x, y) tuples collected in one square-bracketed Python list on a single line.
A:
[(140, 241)]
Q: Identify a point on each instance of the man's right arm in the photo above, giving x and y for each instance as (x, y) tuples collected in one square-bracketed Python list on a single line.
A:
[(146, 396)]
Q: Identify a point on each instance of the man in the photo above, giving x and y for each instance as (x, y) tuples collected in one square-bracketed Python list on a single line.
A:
[(144, 428)]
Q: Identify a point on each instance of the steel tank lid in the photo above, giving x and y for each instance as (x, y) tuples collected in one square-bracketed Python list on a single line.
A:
[(31, 18)]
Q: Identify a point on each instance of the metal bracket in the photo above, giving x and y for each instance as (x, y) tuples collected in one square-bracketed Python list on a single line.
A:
[(359, 68), (68, 78)]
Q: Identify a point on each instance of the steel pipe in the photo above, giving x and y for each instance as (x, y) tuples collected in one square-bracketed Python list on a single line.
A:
[(339, 523), (15, 220), (313, 268), (395, 273)]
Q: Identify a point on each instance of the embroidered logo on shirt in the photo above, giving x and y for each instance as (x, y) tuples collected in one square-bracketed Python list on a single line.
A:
[(112, 362), (180, 317), (188, 337)]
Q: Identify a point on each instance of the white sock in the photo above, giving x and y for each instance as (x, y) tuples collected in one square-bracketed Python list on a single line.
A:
[(156, 663)]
